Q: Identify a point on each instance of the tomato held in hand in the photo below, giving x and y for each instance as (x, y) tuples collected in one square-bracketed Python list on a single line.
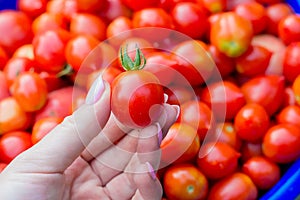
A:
[(185, 181), (137, 95)]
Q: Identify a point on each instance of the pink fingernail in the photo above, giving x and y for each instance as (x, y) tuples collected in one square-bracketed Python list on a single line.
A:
[(151, 171), (159, 134), (166, 97), (95, 91)]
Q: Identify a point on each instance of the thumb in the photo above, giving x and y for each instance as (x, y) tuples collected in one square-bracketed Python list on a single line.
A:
[(59, 148)]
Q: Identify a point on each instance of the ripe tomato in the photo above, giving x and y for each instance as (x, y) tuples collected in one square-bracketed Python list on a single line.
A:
[(226, 133), (85, 23), (30, 90), (251, 122), (289, 29), (231, 34), (114, 9), (266, 91), (224, 98), (190, 19), (42, 127), (65, 7), (217, 160), (4, 90), (14, 20), (282, 143), (136, 5), (3, 58), (48, 21), (12, 144), (290, 114), (250, 149), (291, 63), (185, 181), (32, 8), (235, 186), (263, 172), (181, 144), (12, 116)]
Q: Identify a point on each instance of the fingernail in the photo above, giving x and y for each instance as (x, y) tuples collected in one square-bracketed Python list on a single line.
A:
[(151, 171), (166, 97), (95, 91), (177, 108), (159, 134)]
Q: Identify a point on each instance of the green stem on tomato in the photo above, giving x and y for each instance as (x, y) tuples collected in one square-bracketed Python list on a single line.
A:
[(127, 63)]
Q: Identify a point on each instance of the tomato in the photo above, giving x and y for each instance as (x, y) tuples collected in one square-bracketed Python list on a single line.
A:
[(275, 13), (84, 23), (48, 21), (32, 8), (290, 114), (139, 5), (254, 61), (250, 149), (251, 122), (65, 7), (2, 166), (254, 12), (224, 98), (282, 143), (24, 51), (213, 6), (235, 186), (291, 63), (78, 48), (226, 133), (198, 115), (181, 144), (49, 50), (3, 58), (231, 34), (12, 144), (4, 90), (263, 172), (190, 19), (178, 95), (90, 5), (12, 116), (114, 9), (30, 90), (14, 20), (42, 127), (217, 160), (289, 29), (266, 91)]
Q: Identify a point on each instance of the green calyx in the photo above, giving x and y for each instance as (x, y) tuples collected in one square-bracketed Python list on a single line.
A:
[(127, 63)]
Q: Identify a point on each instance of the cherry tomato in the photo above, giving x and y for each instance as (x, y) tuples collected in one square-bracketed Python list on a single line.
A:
[(42, 127), (263, 172), (185, 181), (30, 90), (4, 90), (282, 143), (85, 23), (224, 98), (48, 21), (12, 116), (266, 91), (65, 7), (235, 186), (24, 51), (250, 149), (32, 8), (289, 29), (190, 19), (136, 5), (12, 144), (114, 9), (14, 20), (3, 58), (251, 122), (231, 34), (2, 166), (226, 133), (291, 63), (256, 13), (213, 6), (289, 114), (217, 160), (178, 95)]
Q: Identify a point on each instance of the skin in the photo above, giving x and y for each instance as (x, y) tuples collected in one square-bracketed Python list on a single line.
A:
[(83, 164)]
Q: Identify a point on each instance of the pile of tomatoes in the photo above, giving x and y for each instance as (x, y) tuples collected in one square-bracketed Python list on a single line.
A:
[(239, 125)]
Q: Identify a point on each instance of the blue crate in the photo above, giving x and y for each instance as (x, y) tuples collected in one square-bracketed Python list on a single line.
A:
[(288, 188)]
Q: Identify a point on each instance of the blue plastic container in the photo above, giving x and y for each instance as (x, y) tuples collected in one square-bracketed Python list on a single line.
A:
[(288, 188)]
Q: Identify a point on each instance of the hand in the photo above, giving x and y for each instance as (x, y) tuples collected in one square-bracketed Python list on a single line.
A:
[(90, 156)]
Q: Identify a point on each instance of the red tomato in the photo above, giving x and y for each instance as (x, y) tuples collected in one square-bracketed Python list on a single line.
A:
[(25, 51), (84, 23), (217, 160), (198, 115), (48, 21), (32, 8), (12, 144), (263, 172), (254, 61), (214, 6), (178, 95), (181, 144), (114, 9), (291, 63), (254, 12), (224, 98), (282, 143), (49, 50), (185, 181), (289, 29), (42, 127), (289, 114), (225, 133), (266, 91), (231, 34), (4, 90), (14, 20), (2, 166), (251, 122), (90, 5), (235, 186), (65, 7), (139, 5), (250, 150), (30, 90), (3, 58), (12, 116), (190, 19)]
